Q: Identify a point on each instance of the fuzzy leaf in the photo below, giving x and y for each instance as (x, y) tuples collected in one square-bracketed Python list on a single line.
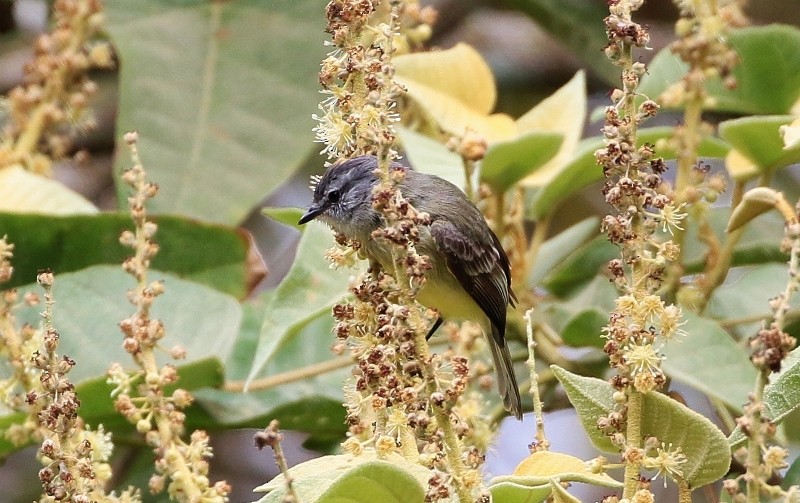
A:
[(346, 478), (221, 94), (512, 492), (706, 448), (781, 395), (556, 465)]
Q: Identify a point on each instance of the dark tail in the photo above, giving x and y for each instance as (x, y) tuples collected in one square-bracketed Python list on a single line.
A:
[(506, 380)]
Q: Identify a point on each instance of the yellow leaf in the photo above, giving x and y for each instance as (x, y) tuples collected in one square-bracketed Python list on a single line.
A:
[(457, 89), (562, 112), (791, 134), (560, 467), (24, 192), (739, 167), (546, 464)]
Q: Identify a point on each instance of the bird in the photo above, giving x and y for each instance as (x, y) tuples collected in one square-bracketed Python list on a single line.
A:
[(470, 275)]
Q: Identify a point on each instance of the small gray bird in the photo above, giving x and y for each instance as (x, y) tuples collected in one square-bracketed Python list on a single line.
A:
[(470, 277)]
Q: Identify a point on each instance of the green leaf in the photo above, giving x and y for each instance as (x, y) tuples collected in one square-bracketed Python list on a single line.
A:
[(223, 115), (759, 139), (761, 282), (90, 304), (556, 249), (512, 492), (705, 447), (210, 254), (583, 169), (346, 478), (508, 162), (576, 24), (709, 360), (309, 289), (580, 267), (781, 395), (287, 216), (428, 155), (581, 319), (767, 74), (310, 402), (375, 481), (559, 467)]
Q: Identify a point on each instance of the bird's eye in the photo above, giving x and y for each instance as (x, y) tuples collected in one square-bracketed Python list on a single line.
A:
[(333, 196)]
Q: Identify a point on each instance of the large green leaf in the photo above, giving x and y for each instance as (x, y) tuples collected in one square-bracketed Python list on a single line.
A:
[(583, 169), (710, 361), (309, 402), (556, 249), (206, 253), (767, 75), (89, 306), (705, 447), (580, 267), (221, 94), (762, 282), (508, 162), (580, 319), (353, 479), (309, 289)]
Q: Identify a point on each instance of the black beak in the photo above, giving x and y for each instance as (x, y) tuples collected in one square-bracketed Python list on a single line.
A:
[(311, 214)]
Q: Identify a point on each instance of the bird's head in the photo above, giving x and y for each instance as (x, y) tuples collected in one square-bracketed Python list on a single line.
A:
[(343, 197)]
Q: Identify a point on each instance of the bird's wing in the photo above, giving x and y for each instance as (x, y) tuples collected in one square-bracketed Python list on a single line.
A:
[(480, 268)]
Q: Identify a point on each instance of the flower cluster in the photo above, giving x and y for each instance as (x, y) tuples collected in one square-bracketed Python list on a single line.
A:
[(357, 78), (141, 395), (75, 458), (643, 203), (56, 89), (402, 397)]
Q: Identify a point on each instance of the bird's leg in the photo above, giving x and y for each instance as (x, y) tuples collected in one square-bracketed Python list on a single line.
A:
[(436, 325)]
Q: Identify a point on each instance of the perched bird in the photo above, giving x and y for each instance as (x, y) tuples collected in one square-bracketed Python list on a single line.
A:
[(470, 278)]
